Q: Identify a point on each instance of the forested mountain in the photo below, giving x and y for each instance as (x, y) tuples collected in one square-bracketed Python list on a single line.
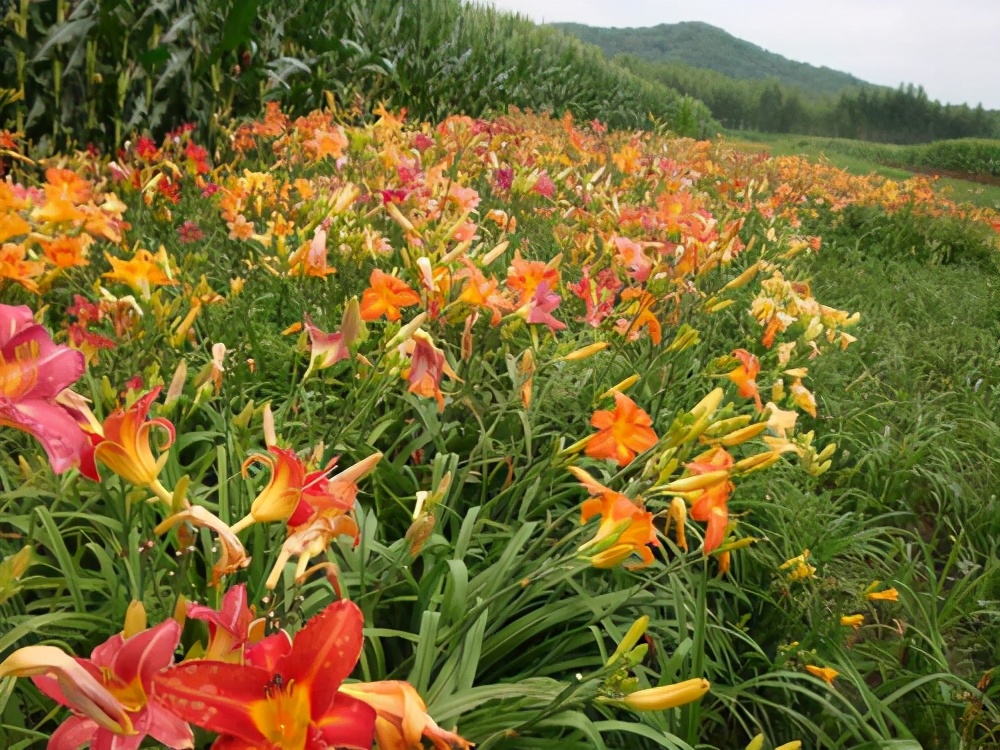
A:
[(704, 46), (748, 88)]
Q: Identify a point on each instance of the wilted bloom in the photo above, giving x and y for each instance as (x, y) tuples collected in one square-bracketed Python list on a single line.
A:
[(232, 557), (402, 721), (285, 696), (889, 595), (626, 528), (622, 433), (852, 621), (386, 295), (827, 674), (124, 447), (745, 376), (109, 694), (667, 696), (309, 540), (34, 370)]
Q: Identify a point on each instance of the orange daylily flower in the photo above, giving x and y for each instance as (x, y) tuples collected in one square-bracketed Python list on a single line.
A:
[(279, 499), (626, 528), (140, 272), (889, 595), (67, 185), (12, 225), (524, 276), (827, 674), (124, 447), (745, 376), (327, 143), (711, 504), (57, 208), (623, 433), (386, 295), (481, 291), (66, 252), (14, 265), (310, 259), (402, 721), (852, 621), (643, 317)]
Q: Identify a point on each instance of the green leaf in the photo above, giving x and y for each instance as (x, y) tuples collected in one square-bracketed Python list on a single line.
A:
[(236, 28)]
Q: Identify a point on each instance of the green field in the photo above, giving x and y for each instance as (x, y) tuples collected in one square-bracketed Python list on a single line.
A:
[(817, 148)]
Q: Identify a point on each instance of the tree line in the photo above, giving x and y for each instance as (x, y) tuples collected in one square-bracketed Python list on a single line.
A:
[(903, 115)]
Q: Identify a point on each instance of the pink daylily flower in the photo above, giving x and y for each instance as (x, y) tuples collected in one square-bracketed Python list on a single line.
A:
[(34, 370), (228, 626), (543, 302), (109, 693), (326, 348)]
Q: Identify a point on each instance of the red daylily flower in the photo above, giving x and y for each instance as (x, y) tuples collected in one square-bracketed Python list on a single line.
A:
[(597, 293), (34, 370), (322, 493), (285, 697)]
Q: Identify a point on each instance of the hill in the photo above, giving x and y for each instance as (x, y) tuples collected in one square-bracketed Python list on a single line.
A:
[(701, 45)]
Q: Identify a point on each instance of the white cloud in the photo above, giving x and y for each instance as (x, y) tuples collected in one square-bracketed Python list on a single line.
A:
[(951, 49)]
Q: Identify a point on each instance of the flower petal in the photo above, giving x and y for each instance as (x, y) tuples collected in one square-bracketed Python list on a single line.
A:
[(325, 652), (348, 723), (217, 696)]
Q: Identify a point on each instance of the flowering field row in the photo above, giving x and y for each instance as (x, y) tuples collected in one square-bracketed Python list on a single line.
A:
[(489, 387)]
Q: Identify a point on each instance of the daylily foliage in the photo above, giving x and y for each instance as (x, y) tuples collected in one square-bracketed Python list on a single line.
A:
[(433, 337)]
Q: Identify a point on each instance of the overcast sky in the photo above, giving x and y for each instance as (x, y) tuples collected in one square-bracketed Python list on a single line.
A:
[(950, 48)]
